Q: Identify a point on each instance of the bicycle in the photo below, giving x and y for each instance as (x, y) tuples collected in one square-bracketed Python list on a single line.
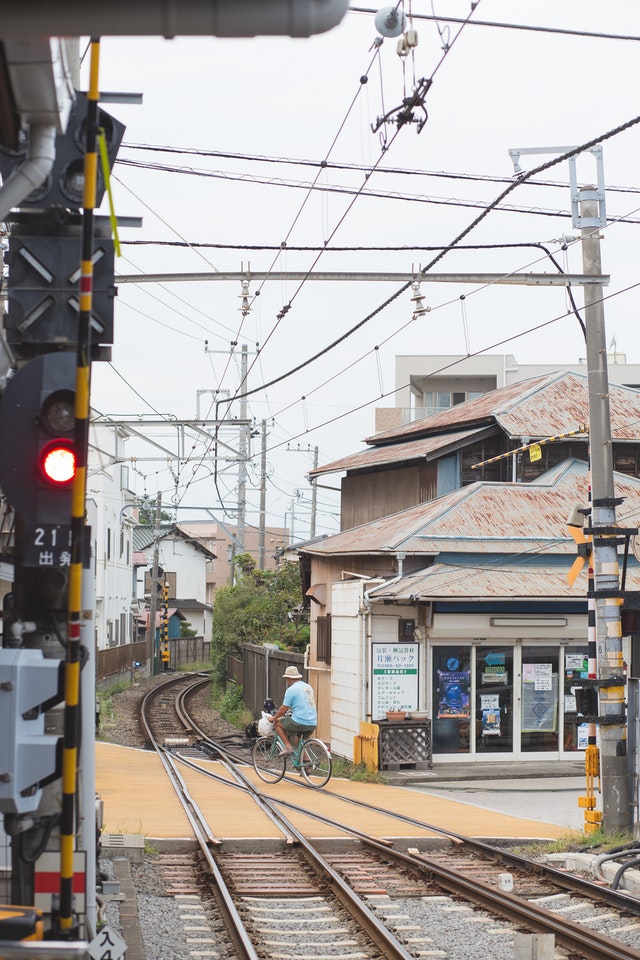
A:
[(311, 757)]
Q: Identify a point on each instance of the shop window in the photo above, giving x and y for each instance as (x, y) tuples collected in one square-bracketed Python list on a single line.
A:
[(451, 725)]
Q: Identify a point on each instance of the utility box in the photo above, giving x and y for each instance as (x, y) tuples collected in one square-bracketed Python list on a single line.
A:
[(29, 758)]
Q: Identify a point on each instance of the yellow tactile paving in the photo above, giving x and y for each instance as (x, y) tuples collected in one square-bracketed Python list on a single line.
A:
[(138, 799)]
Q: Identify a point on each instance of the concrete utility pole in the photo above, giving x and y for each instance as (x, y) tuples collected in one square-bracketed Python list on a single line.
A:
[(314, 497), (616, 811), (243, 446), (263, 497), (152, 642)]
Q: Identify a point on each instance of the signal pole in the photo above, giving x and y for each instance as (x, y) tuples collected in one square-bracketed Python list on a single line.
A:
[(616, 811), (152, 641)]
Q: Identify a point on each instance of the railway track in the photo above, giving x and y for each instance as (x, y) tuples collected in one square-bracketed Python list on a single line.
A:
[(370, 900)]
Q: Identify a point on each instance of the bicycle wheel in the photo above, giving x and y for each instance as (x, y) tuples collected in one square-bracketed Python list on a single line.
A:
[(268, 764), (315, 761)]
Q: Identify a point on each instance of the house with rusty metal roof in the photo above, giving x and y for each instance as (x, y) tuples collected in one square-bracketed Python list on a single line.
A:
[(482, 439), (447, 592)]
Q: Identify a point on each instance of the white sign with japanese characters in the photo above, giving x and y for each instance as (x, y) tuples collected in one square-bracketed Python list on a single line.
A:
[(395, 677), (107, 945)]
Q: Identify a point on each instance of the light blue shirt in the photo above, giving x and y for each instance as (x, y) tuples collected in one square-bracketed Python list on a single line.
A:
[(301, 701)]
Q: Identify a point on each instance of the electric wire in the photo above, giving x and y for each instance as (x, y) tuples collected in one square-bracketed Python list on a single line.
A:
[(563, 31), (386, 145), (375, 194), (475, 353), (413, 172), (402, 289)]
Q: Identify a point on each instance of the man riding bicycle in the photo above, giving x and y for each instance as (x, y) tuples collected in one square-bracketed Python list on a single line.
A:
[(300, 700)]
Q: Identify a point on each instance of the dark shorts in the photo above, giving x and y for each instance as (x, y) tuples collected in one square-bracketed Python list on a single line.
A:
[(292, 727)]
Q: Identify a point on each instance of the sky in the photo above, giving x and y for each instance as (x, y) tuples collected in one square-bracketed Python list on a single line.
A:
[(244, 126)]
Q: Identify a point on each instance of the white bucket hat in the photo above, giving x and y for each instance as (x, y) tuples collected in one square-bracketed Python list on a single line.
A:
[(291, 673)]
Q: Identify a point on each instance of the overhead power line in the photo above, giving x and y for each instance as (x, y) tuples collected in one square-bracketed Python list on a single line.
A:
[(563, 31), (332, 165)]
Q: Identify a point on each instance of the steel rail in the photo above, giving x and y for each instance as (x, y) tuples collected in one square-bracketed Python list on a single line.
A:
[(357, 909), (378, 933), (567, 881), (581, 885), (593, 946), (231, 918), (614, 898)]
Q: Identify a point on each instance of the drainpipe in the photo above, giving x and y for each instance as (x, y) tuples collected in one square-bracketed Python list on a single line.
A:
[(367, 621), (35, 169)]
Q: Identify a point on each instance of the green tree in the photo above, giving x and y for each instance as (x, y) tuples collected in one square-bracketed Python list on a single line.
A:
[(258, 608), (147, 511)]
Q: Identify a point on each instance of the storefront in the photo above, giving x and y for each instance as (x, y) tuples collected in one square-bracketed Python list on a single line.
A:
[(502, 699)]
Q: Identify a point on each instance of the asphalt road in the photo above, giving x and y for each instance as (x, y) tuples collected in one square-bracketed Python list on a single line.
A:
[(550, 800)]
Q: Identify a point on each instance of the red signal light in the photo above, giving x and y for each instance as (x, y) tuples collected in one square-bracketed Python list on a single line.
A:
[(58, 462)]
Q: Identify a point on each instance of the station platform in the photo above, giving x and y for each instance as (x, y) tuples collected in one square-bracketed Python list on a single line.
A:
[(139, 800)]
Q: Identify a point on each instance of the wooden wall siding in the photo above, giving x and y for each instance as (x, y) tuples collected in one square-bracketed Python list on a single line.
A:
[(476, 453), (184, 651), (626, 459), (367, 496), (428, 482), (116, 660), (257, 685)]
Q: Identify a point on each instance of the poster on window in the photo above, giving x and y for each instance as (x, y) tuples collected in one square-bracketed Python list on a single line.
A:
[(453, 694), (395, 677), (491, 722), (539, 705)]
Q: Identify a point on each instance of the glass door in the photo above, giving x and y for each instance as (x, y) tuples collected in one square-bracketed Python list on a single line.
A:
[(494, 699), (539, 724)]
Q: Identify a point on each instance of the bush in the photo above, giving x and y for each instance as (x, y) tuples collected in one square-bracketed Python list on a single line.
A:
[(257, 609), (229, 702)]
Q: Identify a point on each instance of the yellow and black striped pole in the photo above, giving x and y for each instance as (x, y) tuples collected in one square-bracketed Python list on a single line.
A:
[(83, 380), (532, 447), (165, 627)]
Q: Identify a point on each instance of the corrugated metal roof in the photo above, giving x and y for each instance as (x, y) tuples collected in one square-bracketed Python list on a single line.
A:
[(540, 407), (443, 581), (484, 517), (422, 449), (143, 537)]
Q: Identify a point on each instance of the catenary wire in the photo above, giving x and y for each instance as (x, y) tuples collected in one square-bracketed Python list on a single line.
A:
[(486, 211), (578, 34)]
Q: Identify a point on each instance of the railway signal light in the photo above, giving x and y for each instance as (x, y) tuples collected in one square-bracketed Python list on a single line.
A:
[(584, 545), (43, 302), (64, 186), (30, 685), (37, 423)]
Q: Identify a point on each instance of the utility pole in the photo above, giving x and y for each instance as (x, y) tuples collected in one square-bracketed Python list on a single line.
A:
[(152, 640), (263, 497), (243, 446), (314, 496), (616, 811)]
